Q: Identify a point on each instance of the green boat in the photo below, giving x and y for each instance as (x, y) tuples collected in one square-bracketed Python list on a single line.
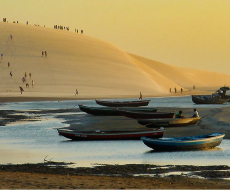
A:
[(112, 111)]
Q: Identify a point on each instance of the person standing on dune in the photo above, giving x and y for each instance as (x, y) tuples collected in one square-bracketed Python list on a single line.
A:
[(140, 98), (21, 89)]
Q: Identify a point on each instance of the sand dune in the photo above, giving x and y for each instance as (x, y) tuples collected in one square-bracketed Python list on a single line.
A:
[(96, 68)]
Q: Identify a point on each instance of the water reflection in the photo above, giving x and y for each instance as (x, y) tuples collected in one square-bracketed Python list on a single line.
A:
[(40, 138), (168, 151)]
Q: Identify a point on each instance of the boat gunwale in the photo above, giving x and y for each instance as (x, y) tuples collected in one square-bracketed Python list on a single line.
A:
[(110, 132), (116, 108)]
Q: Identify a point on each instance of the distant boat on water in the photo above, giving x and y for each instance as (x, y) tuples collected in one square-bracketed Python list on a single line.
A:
[(208, 99), (112, 111), (168, 122), (110, 135), (184, 143), (136, 103), (219, 97)]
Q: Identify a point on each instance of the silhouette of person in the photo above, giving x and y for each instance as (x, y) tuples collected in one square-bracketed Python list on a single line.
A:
[(195, 113), (140, 98), (178, 115), (21, 89)]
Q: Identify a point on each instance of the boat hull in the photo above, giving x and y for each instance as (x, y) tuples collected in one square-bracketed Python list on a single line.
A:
[(112, 111), (115, 135), (206, 99), (123, 103), (192, 143), (146, 115), (168, 122)]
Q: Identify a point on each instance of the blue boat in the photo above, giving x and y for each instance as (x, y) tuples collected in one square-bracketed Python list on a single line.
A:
[(184, 143)]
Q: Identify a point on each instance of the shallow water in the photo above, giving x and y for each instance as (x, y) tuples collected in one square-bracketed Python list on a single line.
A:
[(30, 142), (183, 102)]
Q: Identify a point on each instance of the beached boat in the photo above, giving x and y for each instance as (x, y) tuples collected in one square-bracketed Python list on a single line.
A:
[(168, 122), (110, 135), (184, 143), (146, 115), (208, 99), (136, 103), (112, 111)]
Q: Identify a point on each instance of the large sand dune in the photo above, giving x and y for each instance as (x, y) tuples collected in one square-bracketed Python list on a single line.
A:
[(96, 68)]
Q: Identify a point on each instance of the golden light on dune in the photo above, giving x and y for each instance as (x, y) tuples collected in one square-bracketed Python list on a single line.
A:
[(181, 32)]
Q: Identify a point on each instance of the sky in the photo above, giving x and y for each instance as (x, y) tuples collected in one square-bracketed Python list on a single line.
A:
[(189, 33)]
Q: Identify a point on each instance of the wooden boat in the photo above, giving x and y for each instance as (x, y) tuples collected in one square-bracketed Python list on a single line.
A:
[(123, 103), (208, 99), (110, 135), (146, 115), (218, 97), (168, 122), (184, 143), (112, 111)]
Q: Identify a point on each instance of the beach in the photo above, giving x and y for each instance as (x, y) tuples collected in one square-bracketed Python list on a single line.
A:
[(39, 175), (55, 181), (97, 70)]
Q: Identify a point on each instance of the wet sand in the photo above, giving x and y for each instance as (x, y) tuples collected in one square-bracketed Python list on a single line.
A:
[(212, 120), (41, 176)]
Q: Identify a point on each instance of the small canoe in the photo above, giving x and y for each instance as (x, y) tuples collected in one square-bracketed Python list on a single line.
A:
[(168, 122), (112, 111), (208, 99), (110, 135), (146, 115), (184, 143), (123, 103)]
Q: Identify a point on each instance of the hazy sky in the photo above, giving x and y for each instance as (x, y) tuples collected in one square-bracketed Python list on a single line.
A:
[(190, 33)]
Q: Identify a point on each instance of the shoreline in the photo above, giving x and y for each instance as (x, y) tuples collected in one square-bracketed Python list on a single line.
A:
[(131, 176), (28, 97)]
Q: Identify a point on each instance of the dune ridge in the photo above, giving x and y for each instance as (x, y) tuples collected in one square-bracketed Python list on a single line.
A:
[(95, 67)]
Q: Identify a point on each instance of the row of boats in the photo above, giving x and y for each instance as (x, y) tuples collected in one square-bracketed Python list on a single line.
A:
[(151, 134)]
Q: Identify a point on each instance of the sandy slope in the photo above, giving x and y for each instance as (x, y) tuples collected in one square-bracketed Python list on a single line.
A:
[(96, 68), (186, 77)]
